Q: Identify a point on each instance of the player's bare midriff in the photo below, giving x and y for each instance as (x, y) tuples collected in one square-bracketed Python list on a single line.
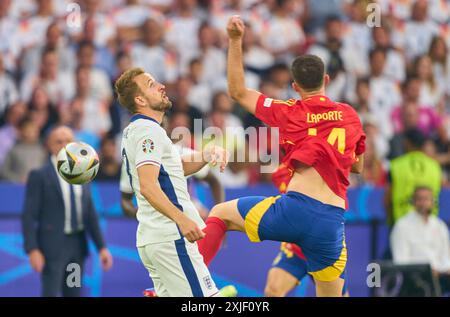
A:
[(306, 180)]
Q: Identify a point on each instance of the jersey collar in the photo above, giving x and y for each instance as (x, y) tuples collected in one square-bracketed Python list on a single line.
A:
[(141, 116), (317, 100)]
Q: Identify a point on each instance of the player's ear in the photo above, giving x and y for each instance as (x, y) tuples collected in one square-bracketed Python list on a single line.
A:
[(326, 80), (138, 100), (295, 87)]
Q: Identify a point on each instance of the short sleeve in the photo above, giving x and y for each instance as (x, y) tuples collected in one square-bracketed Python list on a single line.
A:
[(273, 112), (125, 179), (149, 145)]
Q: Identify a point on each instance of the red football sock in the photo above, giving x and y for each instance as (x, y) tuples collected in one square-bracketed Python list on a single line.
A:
[(210, 244)]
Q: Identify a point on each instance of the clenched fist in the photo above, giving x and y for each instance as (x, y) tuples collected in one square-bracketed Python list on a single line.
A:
[(235, 27)]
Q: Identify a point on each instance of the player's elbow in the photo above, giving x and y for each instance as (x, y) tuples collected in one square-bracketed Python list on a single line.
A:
[(236, 94)]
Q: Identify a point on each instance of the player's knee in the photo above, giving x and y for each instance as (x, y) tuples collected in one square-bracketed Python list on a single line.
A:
[(273, 290), (218, 211)]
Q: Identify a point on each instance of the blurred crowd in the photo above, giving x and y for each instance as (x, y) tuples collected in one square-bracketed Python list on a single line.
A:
[(58, 68)]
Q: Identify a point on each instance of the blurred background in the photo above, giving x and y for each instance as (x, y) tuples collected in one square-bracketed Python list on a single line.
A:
[(59, 68)]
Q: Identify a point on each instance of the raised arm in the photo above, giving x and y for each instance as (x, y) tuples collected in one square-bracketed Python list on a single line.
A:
[(246, 97)]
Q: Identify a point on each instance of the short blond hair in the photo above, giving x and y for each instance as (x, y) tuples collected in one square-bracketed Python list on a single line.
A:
[(127, 89)]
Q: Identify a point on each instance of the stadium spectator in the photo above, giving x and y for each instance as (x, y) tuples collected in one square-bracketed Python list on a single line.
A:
[(362, 92), (59, 85), (395, 67), (179, 130), (407, 172), (420, 237), (100, 86), (26, 155), (54, 41), (9, 36), (182, 100), (431, 91), (110, 166), (10, 130), (357, 35), (151, 54), (256, 57), (416, 34), (317, 12), (213, 59), (374, 172), (104, 24), (70, 211), (285, 47), (42, 111), (32, 29), (104, 54), (280, 76), (182, 30), (384, 92), (338, 59), (93, 109), (373, 133), (8, 89), (221, 11), (199, 94), (414, 114), (129, 17), (440, 58)]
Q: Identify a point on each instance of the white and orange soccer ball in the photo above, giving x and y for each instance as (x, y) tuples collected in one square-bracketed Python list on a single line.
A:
[(77, 163)]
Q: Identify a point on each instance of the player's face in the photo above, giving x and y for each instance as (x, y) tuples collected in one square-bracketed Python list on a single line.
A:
[(153, 93)]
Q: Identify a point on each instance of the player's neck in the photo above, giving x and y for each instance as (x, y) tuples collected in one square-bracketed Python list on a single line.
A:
[(309, 94), (156, 115)]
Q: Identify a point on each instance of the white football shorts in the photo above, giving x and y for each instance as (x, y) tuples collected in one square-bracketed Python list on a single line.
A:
[(177, 269)]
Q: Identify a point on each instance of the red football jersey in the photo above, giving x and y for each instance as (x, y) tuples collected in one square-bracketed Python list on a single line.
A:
[(318, 132), (281, 178)]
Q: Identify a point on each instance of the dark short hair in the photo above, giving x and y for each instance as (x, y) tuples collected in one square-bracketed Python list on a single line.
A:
[(415, 137), (377, 50), (308, 72), (409, 80), (332, 18)]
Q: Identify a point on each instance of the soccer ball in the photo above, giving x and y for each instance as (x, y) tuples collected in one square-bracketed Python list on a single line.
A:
[(77, 163)]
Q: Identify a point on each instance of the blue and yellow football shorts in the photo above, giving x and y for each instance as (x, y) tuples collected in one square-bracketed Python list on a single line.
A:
[(289, 262), (316, 227)]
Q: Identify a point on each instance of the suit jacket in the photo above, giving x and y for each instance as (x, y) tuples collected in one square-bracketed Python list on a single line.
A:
[(44, 214)]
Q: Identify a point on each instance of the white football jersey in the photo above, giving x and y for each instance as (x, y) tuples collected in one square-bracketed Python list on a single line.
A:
[(144, 141)]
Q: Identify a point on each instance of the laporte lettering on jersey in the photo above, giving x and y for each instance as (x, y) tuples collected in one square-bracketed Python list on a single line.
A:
[(327, 116)]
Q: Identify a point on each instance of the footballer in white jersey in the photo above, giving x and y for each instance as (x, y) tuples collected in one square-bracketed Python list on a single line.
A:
[(169, 223)]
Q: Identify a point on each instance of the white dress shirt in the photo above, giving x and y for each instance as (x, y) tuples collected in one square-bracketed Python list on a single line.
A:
[(65, 189), (414, 241)]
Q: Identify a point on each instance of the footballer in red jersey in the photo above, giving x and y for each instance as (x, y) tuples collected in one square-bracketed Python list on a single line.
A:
[(324, 142)]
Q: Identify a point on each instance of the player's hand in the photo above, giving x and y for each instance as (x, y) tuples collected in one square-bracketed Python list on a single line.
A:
[(189, 229), (106, 259), (217, 155), (37, 260), (235, 27)]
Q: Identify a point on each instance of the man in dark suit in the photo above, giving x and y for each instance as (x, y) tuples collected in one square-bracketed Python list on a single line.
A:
[(56, 219)]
